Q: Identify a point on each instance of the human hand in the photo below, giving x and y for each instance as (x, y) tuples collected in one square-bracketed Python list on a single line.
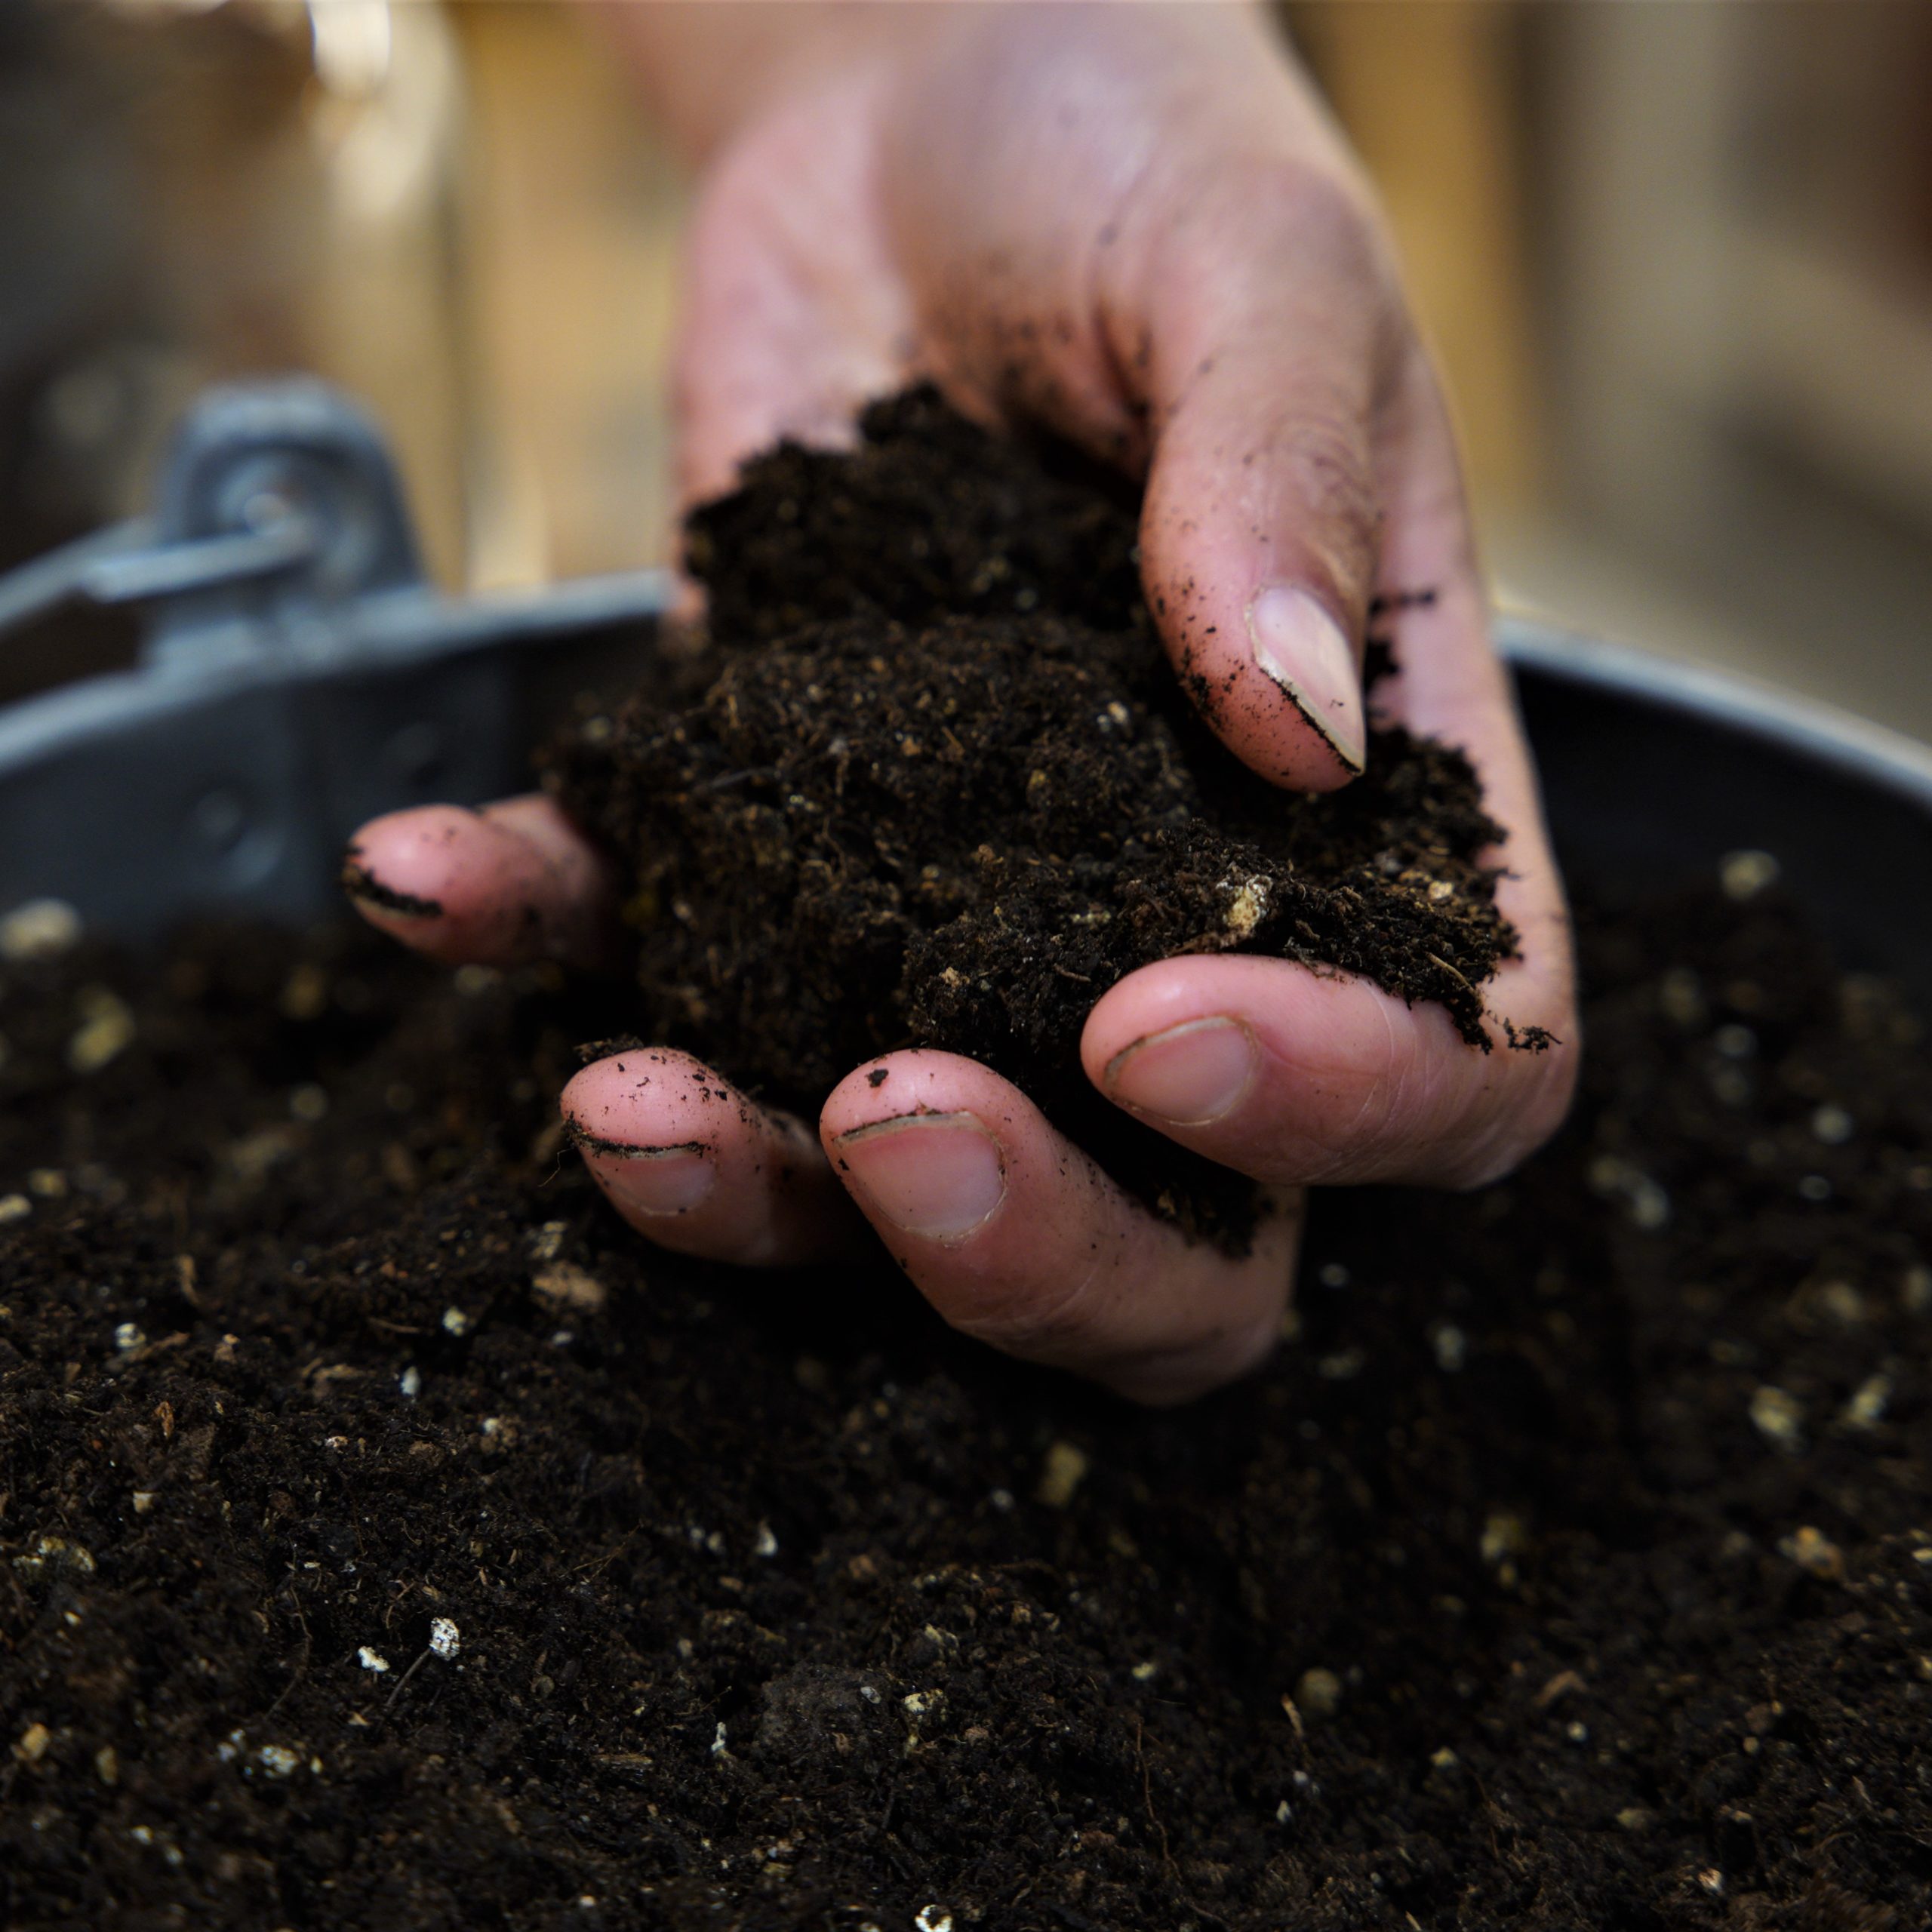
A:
[(1137, 226)]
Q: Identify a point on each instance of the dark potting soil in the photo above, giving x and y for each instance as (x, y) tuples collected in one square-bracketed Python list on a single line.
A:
[(933, 781), (1571, 1565)]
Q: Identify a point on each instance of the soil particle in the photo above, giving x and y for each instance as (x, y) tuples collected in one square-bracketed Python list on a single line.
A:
[(933, 781), (1590, 1647)]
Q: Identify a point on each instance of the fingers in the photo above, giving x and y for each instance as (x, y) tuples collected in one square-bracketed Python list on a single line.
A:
[(687, 1161), (514, 882), (1012, 1233), (1293, 1077), (1258, 1063), (1272, 330), (1015, 1236)]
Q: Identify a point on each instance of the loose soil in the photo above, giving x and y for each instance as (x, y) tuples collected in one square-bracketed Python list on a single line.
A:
[(1571, 1565), (930, 780)]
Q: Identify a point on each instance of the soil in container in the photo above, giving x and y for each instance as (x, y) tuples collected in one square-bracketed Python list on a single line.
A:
[(387, 1540)]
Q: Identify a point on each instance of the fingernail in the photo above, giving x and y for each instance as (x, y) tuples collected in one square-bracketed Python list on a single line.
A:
[(1189, 1075), (938, 1175), (653, 1180), (1299, 645)]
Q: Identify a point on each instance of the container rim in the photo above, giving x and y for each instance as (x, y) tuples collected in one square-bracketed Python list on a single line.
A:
[(1811, 729)]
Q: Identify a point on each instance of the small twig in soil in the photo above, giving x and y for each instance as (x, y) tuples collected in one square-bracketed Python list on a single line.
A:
[(1147, 1794), (726, 780), (402, 1683), (609, 1557), (308, 1649)]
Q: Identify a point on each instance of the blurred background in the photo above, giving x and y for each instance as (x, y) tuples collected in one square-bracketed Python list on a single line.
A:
[(1677, 258)]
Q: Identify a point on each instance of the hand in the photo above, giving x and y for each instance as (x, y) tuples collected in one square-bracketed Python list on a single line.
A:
[(1138, 226)]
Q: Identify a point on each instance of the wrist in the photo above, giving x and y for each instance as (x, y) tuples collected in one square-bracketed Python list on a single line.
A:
[(710, 71)]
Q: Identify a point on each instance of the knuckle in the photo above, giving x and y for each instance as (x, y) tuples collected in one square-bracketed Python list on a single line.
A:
[(1323, 217), (1042, 1318)]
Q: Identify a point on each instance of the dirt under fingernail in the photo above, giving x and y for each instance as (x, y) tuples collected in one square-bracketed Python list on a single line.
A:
[(363, 885)]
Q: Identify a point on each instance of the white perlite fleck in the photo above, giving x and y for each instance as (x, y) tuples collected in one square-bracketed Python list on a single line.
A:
[(564, 1284), (56, 1553), (1064, 1470), (373, 1659), (309, 1103), (933, 1919), (1504, 1535), (14, 1208), (1744, 875), (278, 1760), (106, 1028), (128, 1337), (1779, 1417), (410, 1381), (445, 1639), (766, 1544), (39, 929), (1317, 1693), (1866, 1409), (1247, 908), (1645, 1201), (455, 1321), (1915, 1291)]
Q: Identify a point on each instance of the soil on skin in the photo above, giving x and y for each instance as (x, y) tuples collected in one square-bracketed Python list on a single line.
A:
[(1570, 1566), (933, 783)]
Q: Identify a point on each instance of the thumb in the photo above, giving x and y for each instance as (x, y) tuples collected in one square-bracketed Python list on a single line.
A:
[(1272, 326)]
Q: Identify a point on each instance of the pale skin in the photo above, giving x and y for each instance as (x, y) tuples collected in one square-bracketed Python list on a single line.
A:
[(1137, 226)]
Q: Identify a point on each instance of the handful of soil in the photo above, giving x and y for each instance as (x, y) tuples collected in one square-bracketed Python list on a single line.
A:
[(930, 780)]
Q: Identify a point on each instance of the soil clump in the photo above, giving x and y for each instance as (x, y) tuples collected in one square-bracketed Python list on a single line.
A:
[(932, 781), (389, 1542)]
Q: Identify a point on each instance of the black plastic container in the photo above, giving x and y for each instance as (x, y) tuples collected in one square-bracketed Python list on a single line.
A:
[(1653, 772)]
